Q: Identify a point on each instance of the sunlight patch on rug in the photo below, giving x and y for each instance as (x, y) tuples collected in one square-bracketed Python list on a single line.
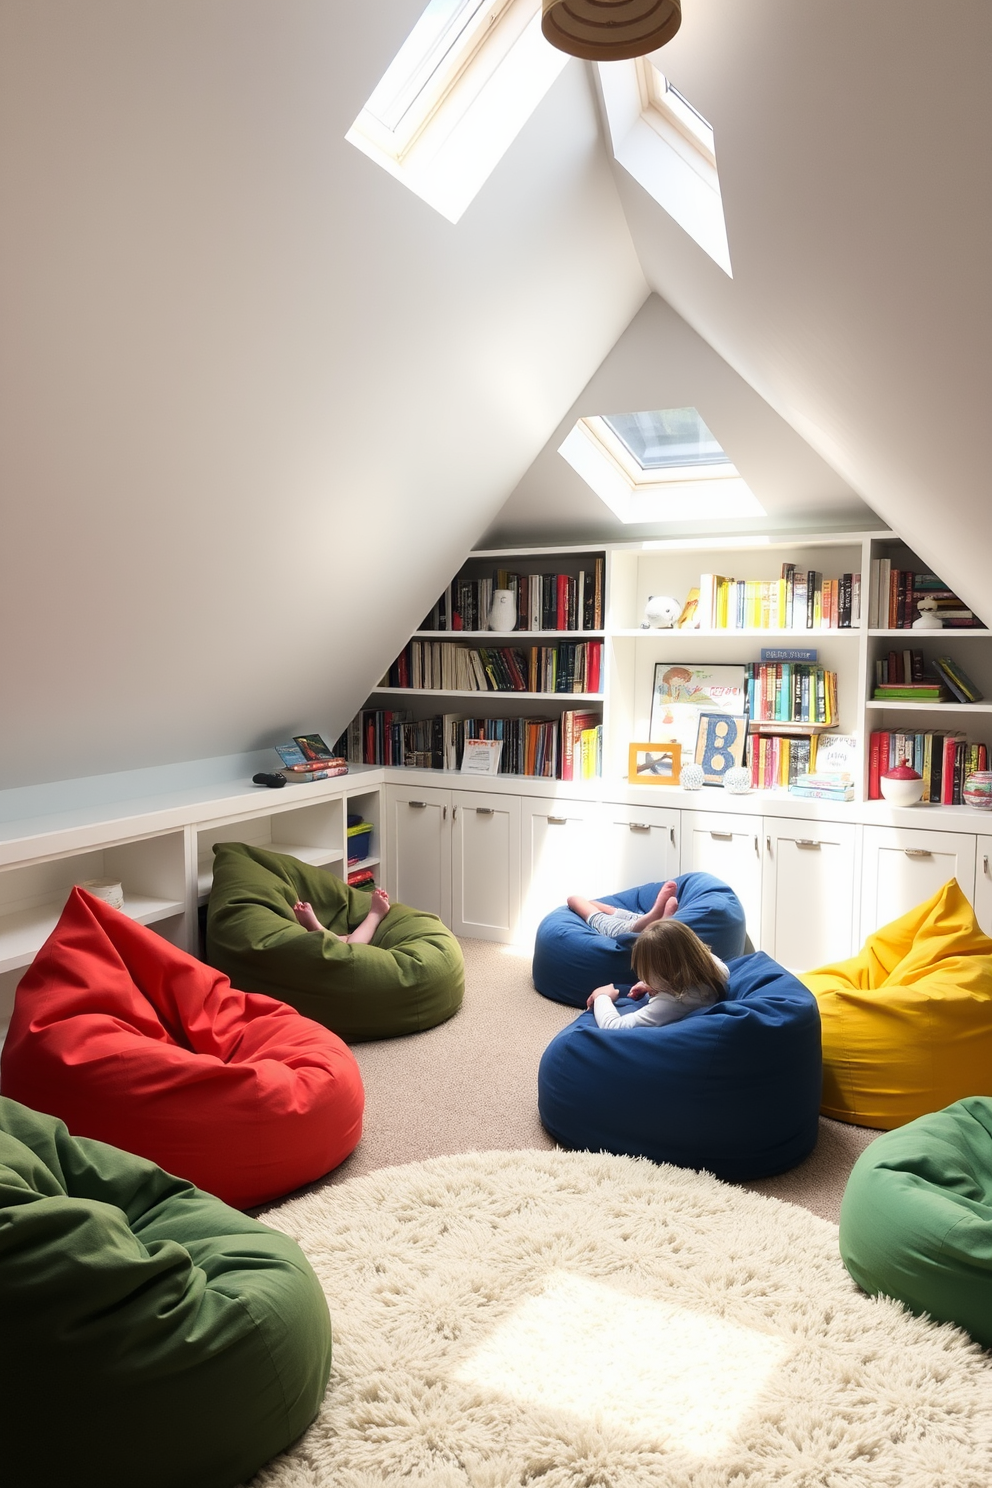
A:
[(575, 1320), (659, 1372)]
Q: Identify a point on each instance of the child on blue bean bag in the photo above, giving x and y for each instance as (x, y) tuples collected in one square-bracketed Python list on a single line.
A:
[(677, 972)]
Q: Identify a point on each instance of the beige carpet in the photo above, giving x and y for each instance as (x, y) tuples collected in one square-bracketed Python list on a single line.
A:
[(573, 1320), (471, 1086)]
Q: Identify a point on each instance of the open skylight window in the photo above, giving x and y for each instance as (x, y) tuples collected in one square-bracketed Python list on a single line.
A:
[(456, 95), (660, 466), (669, 148)]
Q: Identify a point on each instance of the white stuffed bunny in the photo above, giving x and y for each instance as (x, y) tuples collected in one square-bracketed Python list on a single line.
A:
[(661, 612)]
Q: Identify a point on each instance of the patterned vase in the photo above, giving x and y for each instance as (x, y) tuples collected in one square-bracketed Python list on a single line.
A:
[(503, 615), (977, 790)]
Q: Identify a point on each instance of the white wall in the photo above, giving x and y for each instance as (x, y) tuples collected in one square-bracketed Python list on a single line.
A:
[(660, 362), (256, 399), (853, 142)]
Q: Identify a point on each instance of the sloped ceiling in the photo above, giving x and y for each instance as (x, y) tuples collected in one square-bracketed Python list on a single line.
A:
[(853, 143), (660, 362), (256, 399)]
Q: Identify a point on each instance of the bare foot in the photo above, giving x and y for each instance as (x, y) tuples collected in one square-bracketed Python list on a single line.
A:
[(378, 910), (380, 903), (304, 913), (663, 907)]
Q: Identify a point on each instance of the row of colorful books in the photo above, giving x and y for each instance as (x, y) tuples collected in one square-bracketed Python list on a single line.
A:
[(798, 600), (790, 692), (896, 593), (902, 677), (777, 761), (544, 601), (565, 748), (566, 666), (943, 758)]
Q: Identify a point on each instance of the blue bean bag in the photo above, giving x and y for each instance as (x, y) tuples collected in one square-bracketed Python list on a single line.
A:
[(733, 1088), (570, 960)]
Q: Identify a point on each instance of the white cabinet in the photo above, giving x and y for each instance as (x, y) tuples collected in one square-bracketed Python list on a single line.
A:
[(807, 899), (418, 836), (485, 865), (983, 883), (902, 866), (562, 854), (640, 844), (456, 854), (728, 846)]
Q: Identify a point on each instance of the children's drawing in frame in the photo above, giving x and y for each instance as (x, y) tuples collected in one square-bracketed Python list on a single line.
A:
[(720, 744), (654, 764)]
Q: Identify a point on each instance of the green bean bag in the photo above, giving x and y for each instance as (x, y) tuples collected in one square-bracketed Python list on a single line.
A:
[(916, 1218), (150, 1334), (411, 977)]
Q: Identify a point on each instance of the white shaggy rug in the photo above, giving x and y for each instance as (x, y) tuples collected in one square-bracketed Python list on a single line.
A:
[(573, 1320)]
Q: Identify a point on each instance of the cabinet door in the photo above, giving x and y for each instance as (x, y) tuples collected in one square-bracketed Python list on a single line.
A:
[(562, 855), (640, 845), (983, 883), (807, 915), (485, 865), (903, 866), (419, 848), (729, 847)]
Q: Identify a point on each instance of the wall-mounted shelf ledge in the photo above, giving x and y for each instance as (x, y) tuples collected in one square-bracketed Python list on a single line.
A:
[(23, 933), (503, 692)]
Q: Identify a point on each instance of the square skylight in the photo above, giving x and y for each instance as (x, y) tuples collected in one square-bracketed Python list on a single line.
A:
[(455, 97), (669, 148), (663, 465)]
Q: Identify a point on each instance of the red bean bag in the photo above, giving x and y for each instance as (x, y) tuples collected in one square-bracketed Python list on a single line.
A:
[(130, 1041)]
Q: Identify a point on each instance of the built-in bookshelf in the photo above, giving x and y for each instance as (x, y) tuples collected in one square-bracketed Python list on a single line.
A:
[(791, 612)]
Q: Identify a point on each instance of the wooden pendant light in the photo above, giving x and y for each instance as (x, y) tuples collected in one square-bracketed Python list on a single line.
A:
[(610, 30)]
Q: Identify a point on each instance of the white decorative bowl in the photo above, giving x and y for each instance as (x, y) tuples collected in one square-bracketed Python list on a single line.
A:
[(691, 777), (737, 781), (901, 792)]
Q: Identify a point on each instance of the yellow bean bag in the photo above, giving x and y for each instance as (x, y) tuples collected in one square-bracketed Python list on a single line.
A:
[(907, 1024)]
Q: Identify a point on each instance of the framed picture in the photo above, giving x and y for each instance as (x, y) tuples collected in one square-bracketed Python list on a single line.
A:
[(654, 764), (481, 756), (681, 692), (720, 744)]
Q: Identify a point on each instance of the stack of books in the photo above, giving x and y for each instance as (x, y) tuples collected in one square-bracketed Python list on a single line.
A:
[(960, 685), (798, 600), (567, 666), (791, 692), (943, 759), (823, 787)]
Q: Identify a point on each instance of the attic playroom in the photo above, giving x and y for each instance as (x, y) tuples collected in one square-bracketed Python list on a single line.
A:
[(495, 836)]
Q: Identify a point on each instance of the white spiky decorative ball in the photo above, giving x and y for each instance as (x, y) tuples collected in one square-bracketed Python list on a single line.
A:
[(737, 781), (691, 777)]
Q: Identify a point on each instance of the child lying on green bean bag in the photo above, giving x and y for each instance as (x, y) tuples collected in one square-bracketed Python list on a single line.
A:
[(409, 978)]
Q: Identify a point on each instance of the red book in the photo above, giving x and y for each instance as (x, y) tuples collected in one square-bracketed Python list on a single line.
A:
[(874, 792), (561, 606), (594, 657), (947, 774)]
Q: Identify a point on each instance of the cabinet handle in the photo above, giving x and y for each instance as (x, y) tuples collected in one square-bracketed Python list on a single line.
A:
[(671, 833), (985, 865), (638, 827), (444, 813), (757, 849), (419, 804), (917, 852), (483, 811), (807, 842), (557, 821), (454, 813), (724, 836)]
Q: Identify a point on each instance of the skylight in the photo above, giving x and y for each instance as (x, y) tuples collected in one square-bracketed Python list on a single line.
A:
[(667, 438), (456, 95), (669, 148), (664, 465)]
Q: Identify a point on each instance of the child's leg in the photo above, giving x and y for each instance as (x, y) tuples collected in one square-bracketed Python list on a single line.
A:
[(663, 907), (586, 907), (363, 933)]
